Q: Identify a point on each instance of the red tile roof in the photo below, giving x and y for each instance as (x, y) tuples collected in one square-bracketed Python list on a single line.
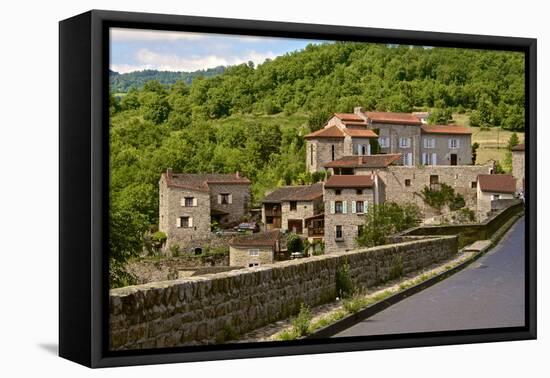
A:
[(201, 181), (329, 132), (349, 181), (368, 161), (295, 193), (497, 183), (260, 239), (446, 129), (519, 147), (350, 117), (396, 118), (360, 133)]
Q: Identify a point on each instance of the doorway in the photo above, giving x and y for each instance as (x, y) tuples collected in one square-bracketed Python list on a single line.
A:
[(454, 159)]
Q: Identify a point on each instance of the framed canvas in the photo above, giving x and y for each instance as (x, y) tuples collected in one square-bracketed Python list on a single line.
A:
[(235, 188)]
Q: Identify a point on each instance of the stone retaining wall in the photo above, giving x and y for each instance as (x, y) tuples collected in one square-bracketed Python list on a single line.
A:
[(214, 308)]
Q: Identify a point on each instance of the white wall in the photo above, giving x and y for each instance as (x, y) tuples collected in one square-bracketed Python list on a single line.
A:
[(29, 144)]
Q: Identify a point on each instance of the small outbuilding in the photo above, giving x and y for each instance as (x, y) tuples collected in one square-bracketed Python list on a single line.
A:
[(493, 188), (254, 249)]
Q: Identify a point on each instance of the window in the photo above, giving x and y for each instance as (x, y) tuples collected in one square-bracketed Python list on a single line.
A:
[(404, 142), (359, 192), (495, 197), (337, 192), (293, 205), (474, 184), (454, 143), (189, 201), (253, 252), (339, 233), (360, 229), (384, 142), (434, 179), (429, 142), (198, 251), (333, 153), (185, 222), (407, 182), (408, 159), (224, 199), (360, 207), (252, 264), (338, 207), (311, 154)]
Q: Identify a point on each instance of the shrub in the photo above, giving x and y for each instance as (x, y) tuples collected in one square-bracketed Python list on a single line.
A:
[(175, 250), (444, 196), (344, 284), (158, 239), (300, 324), (355, 303), (386, 219), (294, 243)]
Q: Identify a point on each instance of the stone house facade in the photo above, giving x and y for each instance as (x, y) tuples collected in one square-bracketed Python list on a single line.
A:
[(255, 249), (296, 204), (189, 202), (493, 188), (518, 166), (347, 198)]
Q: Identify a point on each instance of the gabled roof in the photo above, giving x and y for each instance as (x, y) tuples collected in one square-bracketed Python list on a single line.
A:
[(349, 181), (519, 147), (329, 132), (260, 239), (295, 193), (446, 129), (396, 118), (349, 117), (360, 132), (200, 181), (365, 161), (497, 183)]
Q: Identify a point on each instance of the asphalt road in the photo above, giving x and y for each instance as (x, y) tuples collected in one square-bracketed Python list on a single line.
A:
[(488, 293)]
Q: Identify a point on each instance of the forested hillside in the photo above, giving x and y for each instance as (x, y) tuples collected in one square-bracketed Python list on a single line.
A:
[(121, 83), (252, 119)]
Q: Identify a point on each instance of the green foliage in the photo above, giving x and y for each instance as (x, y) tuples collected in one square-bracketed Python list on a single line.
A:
[(475, 147), (440, 116), (301, 324), (175, 250), (344, 284), (445, 195), (294, 243), (396, 269), (135, 80), (512, 141), (158, 239), (387, 219)]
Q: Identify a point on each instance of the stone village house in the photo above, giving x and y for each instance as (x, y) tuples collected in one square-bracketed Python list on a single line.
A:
[(492, 188), (188, 203), (255, 249), (347, 134)]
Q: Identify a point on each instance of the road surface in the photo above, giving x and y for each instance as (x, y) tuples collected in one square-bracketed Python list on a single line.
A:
[(489, 293)]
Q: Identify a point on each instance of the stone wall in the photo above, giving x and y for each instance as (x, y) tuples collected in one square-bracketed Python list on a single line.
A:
[(322, 152), (240, 201), (462, 178), (518, 169), (208, 309)]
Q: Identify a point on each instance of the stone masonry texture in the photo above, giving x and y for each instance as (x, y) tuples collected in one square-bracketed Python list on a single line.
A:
[(206, 309)]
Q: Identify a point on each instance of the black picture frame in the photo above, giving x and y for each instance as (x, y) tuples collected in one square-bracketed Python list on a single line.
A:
[(83, 180)]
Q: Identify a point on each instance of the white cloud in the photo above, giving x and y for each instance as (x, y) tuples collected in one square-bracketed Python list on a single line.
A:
[(125, 35), (148, 59)]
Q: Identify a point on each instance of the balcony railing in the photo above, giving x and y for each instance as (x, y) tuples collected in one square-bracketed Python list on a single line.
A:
[(272, 213), (315, 231)]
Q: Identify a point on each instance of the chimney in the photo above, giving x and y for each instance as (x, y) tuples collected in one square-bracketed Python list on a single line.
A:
[(360, 112)]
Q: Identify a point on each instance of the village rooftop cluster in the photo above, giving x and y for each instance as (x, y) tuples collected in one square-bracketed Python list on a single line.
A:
[(367, 158)]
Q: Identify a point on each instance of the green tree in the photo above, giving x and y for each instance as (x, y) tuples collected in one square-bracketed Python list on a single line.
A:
[(387, 219)]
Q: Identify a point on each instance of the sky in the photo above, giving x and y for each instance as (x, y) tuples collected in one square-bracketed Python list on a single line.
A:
[(137, 49)]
